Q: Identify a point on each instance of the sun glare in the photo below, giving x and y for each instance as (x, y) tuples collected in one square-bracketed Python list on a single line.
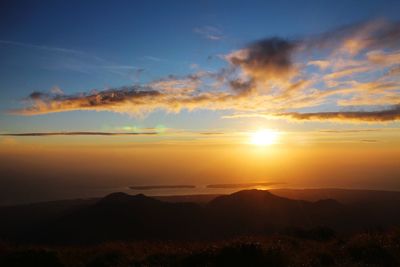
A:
[(264, 137)]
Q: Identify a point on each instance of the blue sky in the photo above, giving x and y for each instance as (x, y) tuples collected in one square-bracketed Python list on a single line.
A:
[(78, 46), (203, 78)]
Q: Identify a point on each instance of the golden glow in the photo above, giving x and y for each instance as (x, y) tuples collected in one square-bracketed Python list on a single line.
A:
[(264, 137)]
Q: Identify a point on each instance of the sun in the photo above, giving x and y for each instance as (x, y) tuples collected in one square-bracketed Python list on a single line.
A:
[(264, 137)]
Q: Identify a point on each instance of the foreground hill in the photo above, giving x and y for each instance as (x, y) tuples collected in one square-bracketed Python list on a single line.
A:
[(120, 216)]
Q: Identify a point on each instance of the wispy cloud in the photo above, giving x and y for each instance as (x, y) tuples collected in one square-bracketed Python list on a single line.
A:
[(210, 32), (351, 69), (120, 131), (43, 47), (76, 60), (369, 140), (77, 133), (152, 58), (350, 131)]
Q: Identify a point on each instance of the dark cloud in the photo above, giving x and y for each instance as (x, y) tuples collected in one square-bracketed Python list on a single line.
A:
[(47, 103), (386, 36), (77, 133), (211, 133), (390, 114), (242, 87), (265, 59), (38, 95)]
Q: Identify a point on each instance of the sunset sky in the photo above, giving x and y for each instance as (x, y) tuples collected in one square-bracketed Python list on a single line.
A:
[(100, 95)]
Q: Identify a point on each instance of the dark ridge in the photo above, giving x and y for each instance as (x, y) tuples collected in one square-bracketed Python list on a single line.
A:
[(116, 197), (246, 195), (123, 217), (121, 198)]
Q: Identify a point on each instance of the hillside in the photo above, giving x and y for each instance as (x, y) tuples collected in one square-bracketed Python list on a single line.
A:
[(120, 216)]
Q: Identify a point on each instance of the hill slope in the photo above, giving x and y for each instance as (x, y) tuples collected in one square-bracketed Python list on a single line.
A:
[(119, 216)]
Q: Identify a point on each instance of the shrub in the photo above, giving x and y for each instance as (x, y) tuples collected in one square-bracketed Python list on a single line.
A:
[(110, 259), (318, 233), (250, 254), (368, 249)]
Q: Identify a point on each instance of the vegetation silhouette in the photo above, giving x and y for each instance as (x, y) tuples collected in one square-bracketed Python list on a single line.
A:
[(279, 250)]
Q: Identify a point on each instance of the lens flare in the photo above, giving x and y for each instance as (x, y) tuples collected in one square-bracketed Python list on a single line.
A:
[(264, 137)]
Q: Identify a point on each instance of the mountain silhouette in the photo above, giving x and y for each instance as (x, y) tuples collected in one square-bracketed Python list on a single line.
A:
[(120, 216), (257, 212)]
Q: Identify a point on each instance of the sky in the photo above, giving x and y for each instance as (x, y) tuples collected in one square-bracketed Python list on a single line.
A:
[(101, 95)]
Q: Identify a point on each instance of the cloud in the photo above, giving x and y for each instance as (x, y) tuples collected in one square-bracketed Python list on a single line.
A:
[(383, 115), (71, 59), (77, 133), (350, 131), (171, 94), (151, 58), (389, 114), (119, 131), (322, 64), (209, 32), (43, 47), (346, 72), (265, 60), (369, 140), (355, 38), (354, 66), (242, 87), (211, 133), (105, 100), (394, 71), (56, 91)]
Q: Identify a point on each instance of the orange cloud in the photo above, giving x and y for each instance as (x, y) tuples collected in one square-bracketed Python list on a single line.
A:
[(357, 66)]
